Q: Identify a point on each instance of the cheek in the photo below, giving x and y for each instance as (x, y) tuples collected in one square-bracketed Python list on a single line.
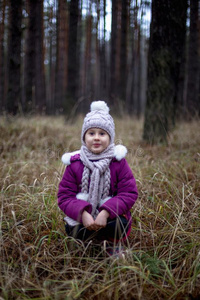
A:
[(107, 141), (88, 141)]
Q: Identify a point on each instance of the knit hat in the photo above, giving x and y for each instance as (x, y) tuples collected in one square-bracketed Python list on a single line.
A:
[(99, 117)]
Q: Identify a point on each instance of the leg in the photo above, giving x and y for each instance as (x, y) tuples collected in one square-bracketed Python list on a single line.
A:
[(79, 232), (115, 229)]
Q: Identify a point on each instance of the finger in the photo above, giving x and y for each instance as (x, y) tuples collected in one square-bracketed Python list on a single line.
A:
[(91, 227), (95, 227), (100, 225)]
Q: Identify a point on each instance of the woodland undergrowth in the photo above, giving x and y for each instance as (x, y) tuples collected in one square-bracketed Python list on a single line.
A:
[(38, 260)]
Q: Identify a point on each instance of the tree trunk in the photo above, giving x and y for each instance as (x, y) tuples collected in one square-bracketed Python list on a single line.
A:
[(87, 78), (14, 57), (61, 55), (34, 79), (135, 105), (114, 53), (40, 93), (178, 48), (192, 100), (2, 66), (123, 50), (137, 77), (96, 84), (133, 80), (51, 67), (163, 69), (30, 54), (103, 63), (72, 56)]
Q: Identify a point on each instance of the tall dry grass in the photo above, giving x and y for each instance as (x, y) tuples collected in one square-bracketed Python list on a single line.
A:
[(38, 260)]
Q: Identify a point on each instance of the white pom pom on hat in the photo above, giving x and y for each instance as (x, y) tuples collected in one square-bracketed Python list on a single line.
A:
[(99, 105), (99, 117)]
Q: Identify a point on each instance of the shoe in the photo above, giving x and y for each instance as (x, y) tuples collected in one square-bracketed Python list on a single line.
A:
[(115, 251)]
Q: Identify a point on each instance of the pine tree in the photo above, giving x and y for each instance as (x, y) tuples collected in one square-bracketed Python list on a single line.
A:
[(163, 69), (13, 102)]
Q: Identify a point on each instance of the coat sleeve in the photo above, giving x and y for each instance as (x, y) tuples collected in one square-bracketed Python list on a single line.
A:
[(126, 192), (67, 196)]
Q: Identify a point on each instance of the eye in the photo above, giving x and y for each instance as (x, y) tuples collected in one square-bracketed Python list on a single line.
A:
[(102, 133)]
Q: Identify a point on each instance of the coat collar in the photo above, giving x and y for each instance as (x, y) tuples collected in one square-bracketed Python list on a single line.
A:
[(120, 152)]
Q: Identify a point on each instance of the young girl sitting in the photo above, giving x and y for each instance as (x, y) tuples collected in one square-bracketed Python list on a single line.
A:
[(98, 189)]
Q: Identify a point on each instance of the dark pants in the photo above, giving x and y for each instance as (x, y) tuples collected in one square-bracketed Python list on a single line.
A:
[(115, 230)]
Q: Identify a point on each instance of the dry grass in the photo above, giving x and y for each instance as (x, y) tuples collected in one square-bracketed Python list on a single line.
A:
[(38, 260)]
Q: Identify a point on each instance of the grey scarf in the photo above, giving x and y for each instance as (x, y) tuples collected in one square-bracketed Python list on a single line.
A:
[(97, 170)]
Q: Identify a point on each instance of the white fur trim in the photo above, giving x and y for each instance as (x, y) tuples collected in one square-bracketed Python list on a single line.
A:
[(99, 105), (71, 221), (104, 200), (67, 156), (82, 196), (120, 152)]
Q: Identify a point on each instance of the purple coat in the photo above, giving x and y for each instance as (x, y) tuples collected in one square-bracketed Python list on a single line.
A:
[(122, 196)]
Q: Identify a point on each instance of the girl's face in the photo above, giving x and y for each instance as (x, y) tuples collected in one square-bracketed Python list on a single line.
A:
[(97, 140)]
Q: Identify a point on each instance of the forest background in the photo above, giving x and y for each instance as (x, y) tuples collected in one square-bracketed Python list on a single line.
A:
[(55, 58), (58, 56)]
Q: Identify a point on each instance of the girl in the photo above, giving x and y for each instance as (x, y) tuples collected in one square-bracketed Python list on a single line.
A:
[(98, 189)]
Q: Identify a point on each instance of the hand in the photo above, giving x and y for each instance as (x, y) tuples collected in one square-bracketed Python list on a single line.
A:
[(101, 219), (88, 221)]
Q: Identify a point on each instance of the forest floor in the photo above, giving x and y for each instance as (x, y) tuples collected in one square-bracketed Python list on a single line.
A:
[(38, 260)]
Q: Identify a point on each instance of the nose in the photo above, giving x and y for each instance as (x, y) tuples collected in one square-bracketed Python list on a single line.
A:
[(96, 137)]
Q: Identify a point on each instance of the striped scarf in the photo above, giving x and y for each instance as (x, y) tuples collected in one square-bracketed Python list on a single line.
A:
[(96, 169)]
